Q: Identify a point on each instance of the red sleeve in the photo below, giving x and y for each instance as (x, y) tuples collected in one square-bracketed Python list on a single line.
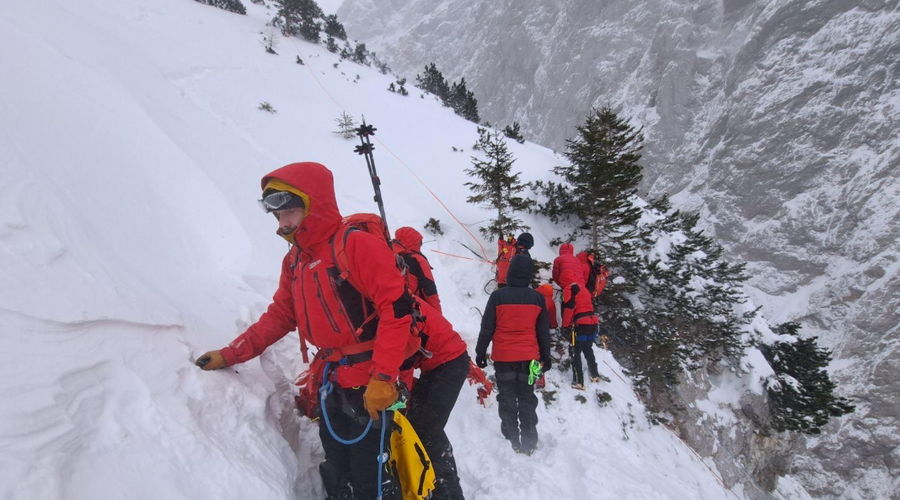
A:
[(556, 269), (272, 326), (374, 271), (551, 310)]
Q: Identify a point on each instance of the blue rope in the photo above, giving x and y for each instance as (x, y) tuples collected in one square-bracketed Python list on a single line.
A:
[(324, 391), (382, 458)]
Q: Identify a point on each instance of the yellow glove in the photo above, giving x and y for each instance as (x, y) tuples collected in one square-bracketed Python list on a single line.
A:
[(213, 360), (379, 395)]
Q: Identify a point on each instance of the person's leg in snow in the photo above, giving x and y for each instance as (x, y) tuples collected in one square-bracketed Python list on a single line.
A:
[(577, 370), (430, 404), (588, 349), (355, 464), (507, 404), (527, 408)]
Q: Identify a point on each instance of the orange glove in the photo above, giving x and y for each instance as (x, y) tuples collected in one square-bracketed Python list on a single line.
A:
[(213, 360), (379, 395)]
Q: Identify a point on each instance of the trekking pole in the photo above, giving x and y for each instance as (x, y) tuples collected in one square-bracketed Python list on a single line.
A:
[(365, 149)]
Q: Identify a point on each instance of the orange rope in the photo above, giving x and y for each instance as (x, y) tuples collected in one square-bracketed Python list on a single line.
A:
[(432, 193), (460, 256)]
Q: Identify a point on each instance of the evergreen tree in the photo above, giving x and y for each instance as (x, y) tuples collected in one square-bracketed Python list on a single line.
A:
[(230, 5), (602, 179), (802, 394), (331, 45), (499, 188), (346, 126), (470, 108), (688, 295), (514, 132), (401, 89), (360, 54), (456, 99), (433, 82), (300, 17), (334, 28)]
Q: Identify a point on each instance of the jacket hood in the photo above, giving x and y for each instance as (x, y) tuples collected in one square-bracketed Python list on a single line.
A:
[(566, 249), (323, 217), (409, 238), (546, 290), (520, 270)]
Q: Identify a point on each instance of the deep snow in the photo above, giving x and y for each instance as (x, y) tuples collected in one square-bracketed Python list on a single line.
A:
[(131, 149)]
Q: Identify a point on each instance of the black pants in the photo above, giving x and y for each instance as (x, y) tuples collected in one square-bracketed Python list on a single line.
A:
[(584, 347), (351, 471), (517, 404), (430, 403)]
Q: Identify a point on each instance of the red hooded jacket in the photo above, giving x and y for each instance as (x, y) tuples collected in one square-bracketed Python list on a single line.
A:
[(506, 250), (585, 265), (577, 307), (408, 245), (567, 268), (329, 311)]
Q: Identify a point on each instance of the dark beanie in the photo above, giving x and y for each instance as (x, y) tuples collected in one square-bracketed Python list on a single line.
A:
[(526, 240)]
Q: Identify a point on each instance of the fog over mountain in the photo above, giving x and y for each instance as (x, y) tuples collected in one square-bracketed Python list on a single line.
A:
[(776, 119)]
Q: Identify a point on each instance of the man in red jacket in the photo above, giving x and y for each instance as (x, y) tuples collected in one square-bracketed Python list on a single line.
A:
[(354, 306), (516, 321), (408, 245), (581, 323), (567, 268)]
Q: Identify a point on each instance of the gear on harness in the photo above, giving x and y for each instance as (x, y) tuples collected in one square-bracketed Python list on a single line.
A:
[(535, 370), (477, 376)]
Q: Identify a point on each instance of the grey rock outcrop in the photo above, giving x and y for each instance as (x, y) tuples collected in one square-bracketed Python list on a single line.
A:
[(776, 119)]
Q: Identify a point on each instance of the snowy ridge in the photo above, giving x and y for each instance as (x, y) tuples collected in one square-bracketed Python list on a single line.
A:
[(131, 149)]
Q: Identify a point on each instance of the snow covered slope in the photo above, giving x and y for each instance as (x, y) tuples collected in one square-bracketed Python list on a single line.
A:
[(131, 149)]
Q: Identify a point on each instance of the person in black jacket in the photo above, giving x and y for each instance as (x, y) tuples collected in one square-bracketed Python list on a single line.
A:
[(516, 321), (524, 243)]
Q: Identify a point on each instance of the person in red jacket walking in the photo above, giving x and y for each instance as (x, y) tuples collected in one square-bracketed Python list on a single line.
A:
[(516, 321), (408, 245), (353, 305), (567, 268), (581, 323)]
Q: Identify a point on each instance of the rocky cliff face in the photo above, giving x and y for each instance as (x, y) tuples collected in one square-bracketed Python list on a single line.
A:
[(776, 119)]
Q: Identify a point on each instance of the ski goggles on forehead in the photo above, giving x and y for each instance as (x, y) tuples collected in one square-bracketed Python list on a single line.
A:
[(278, 200)]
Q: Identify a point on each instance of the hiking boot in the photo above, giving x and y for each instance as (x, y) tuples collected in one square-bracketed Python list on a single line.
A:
[(580, 387), (595, 379)]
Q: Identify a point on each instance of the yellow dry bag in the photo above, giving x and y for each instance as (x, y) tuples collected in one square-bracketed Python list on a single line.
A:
[(410, 462)]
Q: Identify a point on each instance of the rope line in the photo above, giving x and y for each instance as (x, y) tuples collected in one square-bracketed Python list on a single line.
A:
[(461, 257), (396, 157)]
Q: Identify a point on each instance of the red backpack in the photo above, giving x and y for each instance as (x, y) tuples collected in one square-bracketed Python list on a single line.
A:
[(596, 280), (506, 249), (309, 381)]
